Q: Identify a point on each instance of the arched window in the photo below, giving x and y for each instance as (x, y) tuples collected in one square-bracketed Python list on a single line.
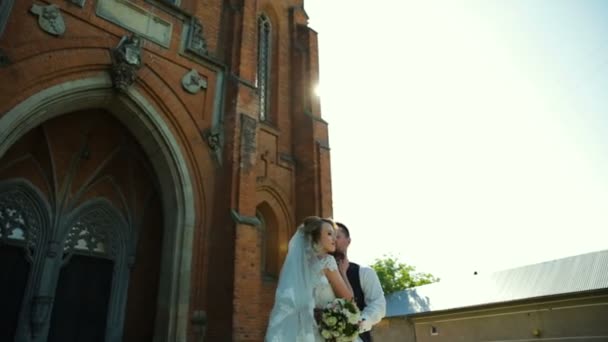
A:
[(264, 66), (270, 241)]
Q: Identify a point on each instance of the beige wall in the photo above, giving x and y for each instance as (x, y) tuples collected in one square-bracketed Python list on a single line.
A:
[(580, 319), (394, 329)]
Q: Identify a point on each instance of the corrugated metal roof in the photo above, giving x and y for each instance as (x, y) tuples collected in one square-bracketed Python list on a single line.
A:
[(584, 272)]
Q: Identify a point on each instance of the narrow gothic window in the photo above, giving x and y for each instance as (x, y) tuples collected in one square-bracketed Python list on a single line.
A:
[(264, 53), (270, 242)]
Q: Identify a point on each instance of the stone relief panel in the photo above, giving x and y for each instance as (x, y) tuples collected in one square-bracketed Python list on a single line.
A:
[(50, 19), (137, 19), (196, 41), (248, 141)]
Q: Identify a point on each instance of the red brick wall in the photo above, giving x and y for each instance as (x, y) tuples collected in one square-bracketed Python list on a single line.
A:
[(292, 168), (289, 169)]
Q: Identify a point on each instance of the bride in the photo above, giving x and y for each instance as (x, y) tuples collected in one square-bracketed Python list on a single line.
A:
[(310, 278)]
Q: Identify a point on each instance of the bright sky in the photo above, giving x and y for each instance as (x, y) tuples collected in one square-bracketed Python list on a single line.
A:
[(467, 135)]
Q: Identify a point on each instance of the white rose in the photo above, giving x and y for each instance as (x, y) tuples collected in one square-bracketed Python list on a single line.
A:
[(352, 318), (331, 321), (326, 334)]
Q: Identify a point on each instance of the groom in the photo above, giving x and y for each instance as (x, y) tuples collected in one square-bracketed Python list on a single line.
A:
[(366, 286)]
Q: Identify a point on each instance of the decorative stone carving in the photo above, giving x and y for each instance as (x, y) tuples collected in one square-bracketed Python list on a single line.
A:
[(79, 2), (196, 41), (193, 82), (248, 141), (87, 237), (92, 233), (49, 19), (126, 60), (20, 219), (214, 140)]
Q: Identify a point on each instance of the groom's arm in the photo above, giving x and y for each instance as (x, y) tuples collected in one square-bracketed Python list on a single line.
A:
[(375, 304)]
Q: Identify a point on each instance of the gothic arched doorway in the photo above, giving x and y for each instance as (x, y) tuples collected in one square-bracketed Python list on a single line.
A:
[(80, 233)]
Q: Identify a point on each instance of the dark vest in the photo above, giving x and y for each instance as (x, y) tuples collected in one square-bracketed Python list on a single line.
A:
[(355, 281)]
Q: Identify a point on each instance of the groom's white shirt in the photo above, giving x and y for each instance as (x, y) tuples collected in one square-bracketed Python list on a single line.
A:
[(375, 304)]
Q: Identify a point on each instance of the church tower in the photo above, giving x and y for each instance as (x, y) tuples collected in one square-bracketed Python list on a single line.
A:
[(155, 158)]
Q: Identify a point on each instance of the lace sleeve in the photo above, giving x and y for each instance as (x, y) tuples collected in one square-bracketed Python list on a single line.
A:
[(329, 262)]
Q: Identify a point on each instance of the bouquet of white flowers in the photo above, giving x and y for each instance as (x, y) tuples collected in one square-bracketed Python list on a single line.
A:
[(339, 321)]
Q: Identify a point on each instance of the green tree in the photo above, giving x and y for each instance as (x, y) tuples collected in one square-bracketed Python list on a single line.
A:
[(396, 276)]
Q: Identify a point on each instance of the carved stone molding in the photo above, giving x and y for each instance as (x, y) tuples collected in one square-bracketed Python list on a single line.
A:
[(287, 158), (246, 220), (248, 141), (126, 61), (50, 19), (79, 2), (193, 82), (196, 41), (323, 144)]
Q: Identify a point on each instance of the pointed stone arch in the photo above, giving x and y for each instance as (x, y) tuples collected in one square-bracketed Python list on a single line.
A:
[(24, 221), (279, 224), (165, 153)]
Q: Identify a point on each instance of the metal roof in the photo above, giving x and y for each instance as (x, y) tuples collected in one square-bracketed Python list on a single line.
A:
[(586, 272)]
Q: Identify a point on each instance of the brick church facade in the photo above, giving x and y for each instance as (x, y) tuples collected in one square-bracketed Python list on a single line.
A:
[(155, 158)]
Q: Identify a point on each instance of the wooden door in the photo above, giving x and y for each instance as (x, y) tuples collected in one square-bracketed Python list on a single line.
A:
[(83, 263)]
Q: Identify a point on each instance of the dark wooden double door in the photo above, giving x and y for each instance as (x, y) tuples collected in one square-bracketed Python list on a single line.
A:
[(80, 234)]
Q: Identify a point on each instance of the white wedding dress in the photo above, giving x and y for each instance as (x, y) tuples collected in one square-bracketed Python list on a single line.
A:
[(302, 287), (323, 292)]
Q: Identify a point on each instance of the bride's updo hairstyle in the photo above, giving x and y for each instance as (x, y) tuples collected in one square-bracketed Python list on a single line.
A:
[(312, 227)]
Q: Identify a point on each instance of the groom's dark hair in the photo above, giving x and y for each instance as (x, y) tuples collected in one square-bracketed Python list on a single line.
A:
[(344, 229)]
